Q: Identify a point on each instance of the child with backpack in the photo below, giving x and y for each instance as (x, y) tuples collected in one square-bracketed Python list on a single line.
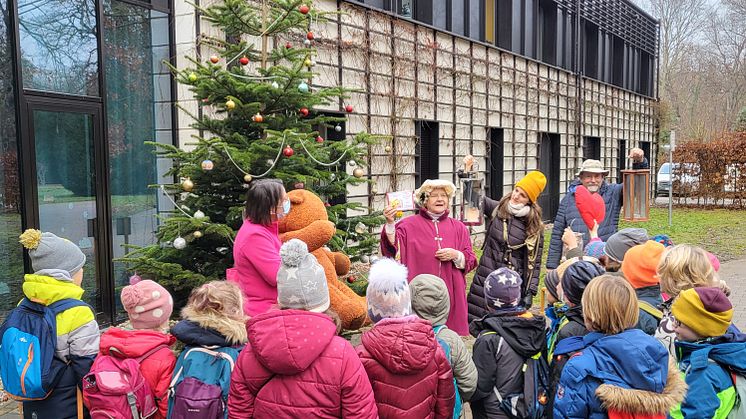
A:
[(50, 340), (145, 342), (430, 301), (682, 267), (295, 365), (712, 356), (640, 266), (508, 339), (213, 331), (620, 372), (408, 369)]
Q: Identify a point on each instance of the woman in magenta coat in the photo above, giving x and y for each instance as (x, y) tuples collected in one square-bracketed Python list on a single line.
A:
[(256, 251), (431, 242)]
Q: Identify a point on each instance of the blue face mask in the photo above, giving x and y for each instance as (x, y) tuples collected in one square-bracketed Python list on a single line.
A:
[(286, 207)]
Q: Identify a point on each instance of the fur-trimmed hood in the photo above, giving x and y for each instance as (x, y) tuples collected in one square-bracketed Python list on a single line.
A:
[(644, 402), (206, 329)]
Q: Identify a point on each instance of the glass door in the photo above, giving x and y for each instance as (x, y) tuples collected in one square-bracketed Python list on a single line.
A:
[(65, 142)]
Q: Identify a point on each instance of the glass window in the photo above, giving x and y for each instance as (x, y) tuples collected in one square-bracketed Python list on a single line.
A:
[(11, 254), (138, 109), (440, 14), (517, 27), (406, 8), (58, 46), (475, 20), (529, 35), (457, 16)]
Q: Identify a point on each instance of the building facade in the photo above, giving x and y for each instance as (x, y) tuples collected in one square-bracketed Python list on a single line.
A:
[(519, 84)]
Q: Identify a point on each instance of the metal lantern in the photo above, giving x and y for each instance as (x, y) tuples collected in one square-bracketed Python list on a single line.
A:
[(471, 199), (636, 195)]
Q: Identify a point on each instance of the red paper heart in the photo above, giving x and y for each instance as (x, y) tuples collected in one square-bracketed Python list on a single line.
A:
[(591, 206)]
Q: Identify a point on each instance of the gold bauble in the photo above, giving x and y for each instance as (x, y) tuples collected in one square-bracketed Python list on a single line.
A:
[(230, 104), (387, 149), (187, 184), (358, 172), (247, 178), (197, 234)]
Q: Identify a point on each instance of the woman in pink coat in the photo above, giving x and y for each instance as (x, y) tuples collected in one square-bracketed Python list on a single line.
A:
[(256, 251), (295, 365)]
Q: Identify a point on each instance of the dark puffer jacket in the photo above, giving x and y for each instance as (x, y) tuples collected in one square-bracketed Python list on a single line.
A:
[(651, 295), (568, 211), (493, 257)]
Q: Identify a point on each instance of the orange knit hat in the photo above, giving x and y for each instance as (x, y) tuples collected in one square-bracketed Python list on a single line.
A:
[(533, 184), (640, 264)]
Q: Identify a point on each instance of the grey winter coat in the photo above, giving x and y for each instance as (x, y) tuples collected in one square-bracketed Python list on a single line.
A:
[(494, 255), (503, 344), (430, 301), (568, 214)]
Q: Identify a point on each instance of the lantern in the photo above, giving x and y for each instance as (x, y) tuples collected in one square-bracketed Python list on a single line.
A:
[(636, 195), (471, 199)]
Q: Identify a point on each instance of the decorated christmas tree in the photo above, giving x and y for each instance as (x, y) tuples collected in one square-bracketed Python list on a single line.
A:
[(259, 119)]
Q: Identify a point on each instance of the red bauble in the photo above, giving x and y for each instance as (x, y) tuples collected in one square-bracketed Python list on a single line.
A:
[(349, 108), (288, 151), (244, 60), (288, 45), (326, 204), (309, 36), (319, 139), (214, 59), (304, 112), (351, 279), (304, 9)]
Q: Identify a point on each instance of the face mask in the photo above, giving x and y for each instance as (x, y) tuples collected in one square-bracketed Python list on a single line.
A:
[(286, 207)]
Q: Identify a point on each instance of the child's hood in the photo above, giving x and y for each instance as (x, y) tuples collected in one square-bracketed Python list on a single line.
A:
[(524, 333), (47, 290), (403, 345), (287, 342), (729, 350), (133, 343), (208, 329)]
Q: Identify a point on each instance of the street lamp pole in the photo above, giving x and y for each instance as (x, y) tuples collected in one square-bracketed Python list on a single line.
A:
[(671, 145)]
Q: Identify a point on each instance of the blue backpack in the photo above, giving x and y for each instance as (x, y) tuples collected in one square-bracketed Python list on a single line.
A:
[(201, 381), (28, 368), (458, 405)]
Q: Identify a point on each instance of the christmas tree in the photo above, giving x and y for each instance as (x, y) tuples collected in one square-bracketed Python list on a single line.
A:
[(258, 120)]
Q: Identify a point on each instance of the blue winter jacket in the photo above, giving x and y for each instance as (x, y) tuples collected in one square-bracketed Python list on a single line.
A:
[(628, 360), (711, 392), (569, 216)]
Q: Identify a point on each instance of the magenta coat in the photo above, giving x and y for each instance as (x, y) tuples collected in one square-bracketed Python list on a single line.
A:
[(295, 366), (256, 256), (416, 245), (410, 374)]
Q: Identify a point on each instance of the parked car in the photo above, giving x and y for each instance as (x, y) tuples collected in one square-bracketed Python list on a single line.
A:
[(685, 178)]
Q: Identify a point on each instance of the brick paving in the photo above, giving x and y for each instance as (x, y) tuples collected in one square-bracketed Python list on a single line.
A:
[(734, 273)]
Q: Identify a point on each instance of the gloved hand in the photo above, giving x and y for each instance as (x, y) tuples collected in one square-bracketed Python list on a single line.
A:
[(528, 301)]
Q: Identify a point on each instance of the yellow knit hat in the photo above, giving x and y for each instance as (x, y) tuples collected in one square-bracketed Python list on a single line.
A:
[(533, 183), (706, 310)]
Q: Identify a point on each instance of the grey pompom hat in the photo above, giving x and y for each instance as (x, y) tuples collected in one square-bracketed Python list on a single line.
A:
[(301, 281), (48, 251)]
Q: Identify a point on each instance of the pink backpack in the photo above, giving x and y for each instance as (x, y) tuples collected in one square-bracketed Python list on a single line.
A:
[(115, 388)]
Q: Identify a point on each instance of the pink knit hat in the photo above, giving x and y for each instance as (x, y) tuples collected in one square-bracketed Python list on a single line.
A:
[(714, 261), (148, 304)]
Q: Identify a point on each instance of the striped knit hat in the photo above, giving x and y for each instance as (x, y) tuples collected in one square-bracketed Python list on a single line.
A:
[(388, 292), (707, 311)]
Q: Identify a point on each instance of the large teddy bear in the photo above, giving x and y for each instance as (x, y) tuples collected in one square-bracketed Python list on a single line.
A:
[(309, 222)]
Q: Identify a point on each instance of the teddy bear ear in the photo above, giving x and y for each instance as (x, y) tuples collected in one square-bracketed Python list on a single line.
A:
[(296, 199)]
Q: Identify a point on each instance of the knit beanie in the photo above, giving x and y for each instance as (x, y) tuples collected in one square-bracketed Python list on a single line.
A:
[(640, 264), (502, 289), (595, 248), (388, 291), (148, 304), (576, 278), (662, 239), (551, 280), (623, 240), (707, 311), (714, 261), (533, 184), (301, 281), (47, 251), (430, 299)]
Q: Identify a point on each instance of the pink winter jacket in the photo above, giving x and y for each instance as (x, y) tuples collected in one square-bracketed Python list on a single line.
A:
[(295, 366), (256, 255), (409, 372)]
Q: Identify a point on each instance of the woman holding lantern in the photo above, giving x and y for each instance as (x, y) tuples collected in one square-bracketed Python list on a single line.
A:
[(431, 242), (514, 239)]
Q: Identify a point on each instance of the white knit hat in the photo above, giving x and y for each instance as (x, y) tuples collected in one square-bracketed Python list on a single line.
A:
[(388, 291), (423, 192), (301, 281)]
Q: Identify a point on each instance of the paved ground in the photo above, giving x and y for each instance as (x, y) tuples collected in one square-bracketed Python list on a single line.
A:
[(734, 273)]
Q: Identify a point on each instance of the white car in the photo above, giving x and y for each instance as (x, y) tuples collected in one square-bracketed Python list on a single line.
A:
[(685, 183)]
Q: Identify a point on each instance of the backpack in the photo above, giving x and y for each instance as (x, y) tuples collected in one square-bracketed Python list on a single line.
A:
[(650, 309), (116, 388), (458, 405), (200, 385), (531, 404), (29, 368), (739, 383)]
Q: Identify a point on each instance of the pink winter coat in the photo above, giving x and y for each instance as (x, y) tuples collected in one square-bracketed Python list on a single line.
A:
[(256, 255), (409, 372), (295, 366)]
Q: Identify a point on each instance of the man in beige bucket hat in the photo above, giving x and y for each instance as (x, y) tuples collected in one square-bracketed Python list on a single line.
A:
[(592, 175)]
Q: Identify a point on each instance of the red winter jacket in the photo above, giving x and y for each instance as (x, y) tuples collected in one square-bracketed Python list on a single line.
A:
[(295, 366), (157, 368), (409, 372)]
